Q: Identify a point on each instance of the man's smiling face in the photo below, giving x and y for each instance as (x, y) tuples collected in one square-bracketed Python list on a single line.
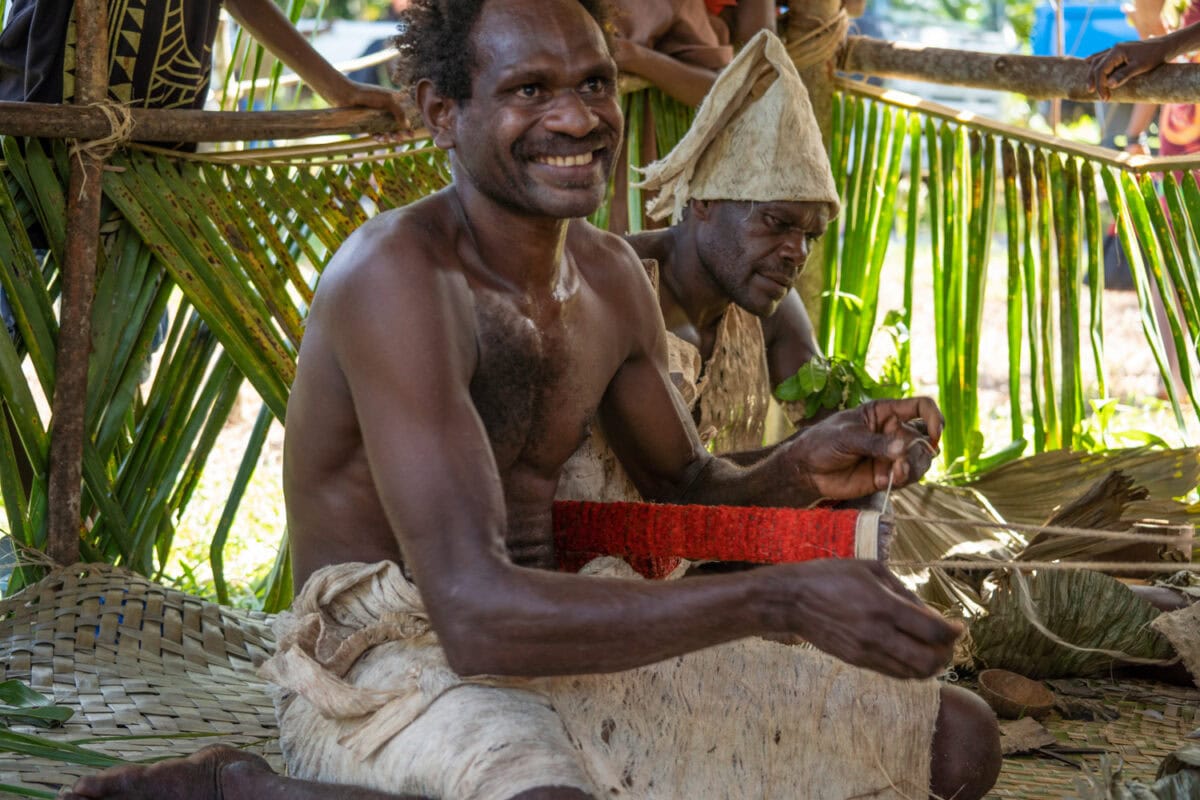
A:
[(542, 127)]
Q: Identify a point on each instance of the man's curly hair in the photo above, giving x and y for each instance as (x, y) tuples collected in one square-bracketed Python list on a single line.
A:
[(434, 42)]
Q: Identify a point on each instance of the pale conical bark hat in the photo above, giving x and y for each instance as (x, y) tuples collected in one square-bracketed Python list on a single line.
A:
[(755, 138)]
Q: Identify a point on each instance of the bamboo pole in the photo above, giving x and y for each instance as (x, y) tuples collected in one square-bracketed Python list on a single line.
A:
[(1037, 77), (79, 281), (186, 125), (1060, 49)]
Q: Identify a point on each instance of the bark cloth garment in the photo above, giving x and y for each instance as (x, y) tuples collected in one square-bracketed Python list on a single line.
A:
[(365, 697)]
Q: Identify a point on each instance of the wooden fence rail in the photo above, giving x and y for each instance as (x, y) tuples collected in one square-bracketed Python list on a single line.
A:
[(1036, 77)]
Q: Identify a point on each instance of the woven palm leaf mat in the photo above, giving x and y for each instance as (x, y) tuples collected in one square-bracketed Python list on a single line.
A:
[(1155, 720), (132, 657)]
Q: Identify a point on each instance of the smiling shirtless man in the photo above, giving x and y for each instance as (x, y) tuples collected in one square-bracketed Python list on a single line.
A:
[(457, 352)]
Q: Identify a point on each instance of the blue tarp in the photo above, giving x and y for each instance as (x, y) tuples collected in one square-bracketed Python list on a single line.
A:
[(1090, 28)]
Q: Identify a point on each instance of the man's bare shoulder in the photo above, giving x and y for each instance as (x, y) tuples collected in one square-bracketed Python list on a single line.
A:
[(654, 244), (608, 262), (398, 280), (788, 320), (409, 250)]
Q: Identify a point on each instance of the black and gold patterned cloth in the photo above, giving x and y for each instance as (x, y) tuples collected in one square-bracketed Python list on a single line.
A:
[(160, 51)]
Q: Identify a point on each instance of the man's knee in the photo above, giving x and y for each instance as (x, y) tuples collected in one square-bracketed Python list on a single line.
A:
[(966, 746), (553, 793)]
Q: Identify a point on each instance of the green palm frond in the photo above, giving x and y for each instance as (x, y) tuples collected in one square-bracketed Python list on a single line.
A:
[(232, 247), (967, 170)]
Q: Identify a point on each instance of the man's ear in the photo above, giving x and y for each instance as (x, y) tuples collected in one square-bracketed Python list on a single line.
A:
[(439, 114)]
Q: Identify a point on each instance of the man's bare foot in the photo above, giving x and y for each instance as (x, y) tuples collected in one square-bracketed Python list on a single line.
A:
[(197, 777)]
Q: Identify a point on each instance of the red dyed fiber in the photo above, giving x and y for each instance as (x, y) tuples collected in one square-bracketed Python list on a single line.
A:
[(653, 536)]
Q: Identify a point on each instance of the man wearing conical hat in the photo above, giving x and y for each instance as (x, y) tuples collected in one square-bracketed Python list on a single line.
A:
[(750, 189)]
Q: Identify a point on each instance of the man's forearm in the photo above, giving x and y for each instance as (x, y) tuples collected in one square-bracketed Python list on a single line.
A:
[(753, 16), (528, 622), (547, 623), (685, 82), (1139, 121), (751, 478), (1184, 41)]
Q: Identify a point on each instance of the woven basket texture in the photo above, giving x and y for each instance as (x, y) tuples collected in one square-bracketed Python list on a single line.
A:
[(1155, 721), (132, 657)]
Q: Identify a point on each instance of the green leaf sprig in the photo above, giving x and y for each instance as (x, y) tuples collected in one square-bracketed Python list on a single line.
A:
[(832, 384)]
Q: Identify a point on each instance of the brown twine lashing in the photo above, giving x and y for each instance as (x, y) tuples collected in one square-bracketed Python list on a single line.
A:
[(821, 43), (120, 132), (1053, 530), (1139, 567)]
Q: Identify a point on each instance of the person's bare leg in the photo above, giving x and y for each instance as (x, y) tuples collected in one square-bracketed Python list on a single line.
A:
[(1164, 598), (214, 773), (965, 759), (220, 772)]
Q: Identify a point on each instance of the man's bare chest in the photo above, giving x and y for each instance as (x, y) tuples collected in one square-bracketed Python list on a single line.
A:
[(539, 381)]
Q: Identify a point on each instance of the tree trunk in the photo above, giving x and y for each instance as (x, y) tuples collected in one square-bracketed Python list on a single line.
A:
[(186, 125)]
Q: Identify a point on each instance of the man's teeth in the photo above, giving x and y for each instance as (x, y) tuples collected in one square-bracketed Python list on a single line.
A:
[(581, 160)]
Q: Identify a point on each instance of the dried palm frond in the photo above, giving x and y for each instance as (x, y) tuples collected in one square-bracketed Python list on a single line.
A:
[(1030, 490), (1105, 506), (1104, 782), (932, 538)]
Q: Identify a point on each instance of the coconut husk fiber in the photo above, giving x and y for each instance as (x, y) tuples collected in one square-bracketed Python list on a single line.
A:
[(733, 393)]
